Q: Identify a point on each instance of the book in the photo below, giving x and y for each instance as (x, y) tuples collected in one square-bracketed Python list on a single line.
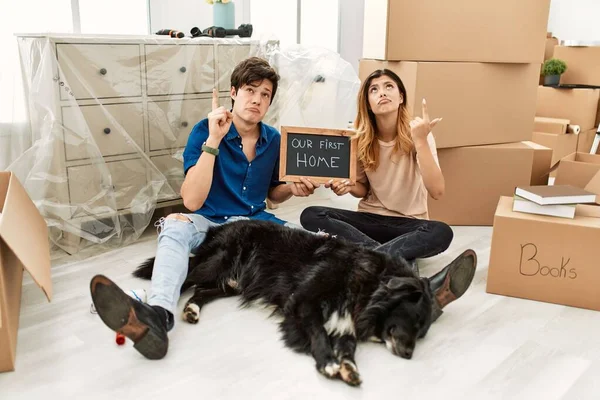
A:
[(554, 210), (555, 194)]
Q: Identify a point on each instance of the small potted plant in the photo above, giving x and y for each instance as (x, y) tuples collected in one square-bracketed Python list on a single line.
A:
[(552, 70)]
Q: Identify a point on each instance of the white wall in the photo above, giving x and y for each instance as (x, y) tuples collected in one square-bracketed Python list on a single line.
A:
[(575, 19), (351, 31), (183, 15)]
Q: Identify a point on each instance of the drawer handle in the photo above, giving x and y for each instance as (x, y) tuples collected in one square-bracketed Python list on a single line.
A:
[(107, 130), (103, 71), (184, 124), (182, 69)]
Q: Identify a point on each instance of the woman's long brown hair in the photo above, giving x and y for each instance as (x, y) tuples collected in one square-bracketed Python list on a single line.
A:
[(365, 125)]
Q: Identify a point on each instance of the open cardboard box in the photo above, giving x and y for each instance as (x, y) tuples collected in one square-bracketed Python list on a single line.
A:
[(561, 144), (23, 245), (577, 169), (546, 258)]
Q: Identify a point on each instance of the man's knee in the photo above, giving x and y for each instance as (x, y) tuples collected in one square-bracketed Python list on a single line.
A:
[(175, 226), (179, 216)]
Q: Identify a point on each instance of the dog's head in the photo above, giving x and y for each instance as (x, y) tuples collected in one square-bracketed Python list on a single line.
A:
[(398, 313)]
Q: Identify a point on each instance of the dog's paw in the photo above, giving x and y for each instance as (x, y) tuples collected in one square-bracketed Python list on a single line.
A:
[(191, 313), (349, 373), (330, 369)]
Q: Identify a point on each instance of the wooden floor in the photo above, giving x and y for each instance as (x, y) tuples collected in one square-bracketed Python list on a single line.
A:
[(483, 347)]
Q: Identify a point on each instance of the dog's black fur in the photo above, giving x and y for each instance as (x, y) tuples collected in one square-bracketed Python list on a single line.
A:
[(329, 292)]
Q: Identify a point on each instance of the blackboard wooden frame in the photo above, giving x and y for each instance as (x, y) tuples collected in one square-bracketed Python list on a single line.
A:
[(283, 176)]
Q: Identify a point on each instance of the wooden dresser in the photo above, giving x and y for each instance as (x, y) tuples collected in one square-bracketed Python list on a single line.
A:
[(110, 116)]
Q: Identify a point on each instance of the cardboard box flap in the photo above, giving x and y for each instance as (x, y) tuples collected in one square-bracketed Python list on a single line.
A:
[(551, 125), (587, 210), (535, 146), (594, 186), (585, 214), (24, 231)]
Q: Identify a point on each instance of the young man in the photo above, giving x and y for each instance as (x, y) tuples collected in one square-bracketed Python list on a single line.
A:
[(231, 164)]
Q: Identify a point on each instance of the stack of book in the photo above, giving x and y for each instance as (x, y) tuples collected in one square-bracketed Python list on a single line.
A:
[(552, 200)]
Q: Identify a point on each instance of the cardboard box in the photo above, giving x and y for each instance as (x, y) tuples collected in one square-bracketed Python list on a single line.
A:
[(597, 122), (551, 41), (511, 31), (577, 105), (545, 258), (23, 245), (550, 125), (577, 169), (561, 144), (583, 64), (585, 141), (476, 177), (480, 103)]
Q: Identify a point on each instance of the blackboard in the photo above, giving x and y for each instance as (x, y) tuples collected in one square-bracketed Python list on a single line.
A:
[(319, 154)]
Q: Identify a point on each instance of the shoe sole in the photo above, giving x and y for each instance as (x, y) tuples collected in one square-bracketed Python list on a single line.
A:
[(462, 270), (118, 311)]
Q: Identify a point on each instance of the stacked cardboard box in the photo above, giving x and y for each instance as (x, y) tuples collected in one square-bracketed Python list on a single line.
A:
[(578, 107), (547, 258), (481, 79)]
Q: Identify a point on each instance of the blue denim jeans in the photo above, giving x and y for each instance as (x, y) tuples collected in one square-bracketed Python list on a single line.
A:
[(177, 239)]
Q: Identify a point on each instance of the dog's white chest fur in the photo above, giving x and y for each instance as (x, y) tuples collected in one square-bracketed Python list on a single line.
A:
[(340, 324)]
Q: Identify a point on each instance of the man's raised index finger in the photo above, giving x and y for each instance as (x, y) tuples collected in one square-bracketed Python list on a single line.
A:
[(215, 100)]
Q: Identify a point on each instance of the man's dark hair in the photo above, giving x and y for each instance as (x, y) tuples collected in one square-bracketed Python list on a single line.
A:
[(254, 70)]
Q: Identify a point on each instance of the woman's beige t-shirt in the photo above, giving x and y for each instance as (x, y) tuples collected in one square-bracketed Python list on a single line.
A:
[(396, 187)]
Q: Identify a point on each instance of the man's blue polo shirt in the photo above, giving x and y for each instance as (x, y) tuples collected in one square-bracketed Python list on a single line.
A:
[(239, 187)]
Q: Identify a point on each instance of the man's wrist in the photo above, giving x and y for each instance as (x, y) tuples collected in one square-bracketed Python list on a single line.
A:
[(213, 142)]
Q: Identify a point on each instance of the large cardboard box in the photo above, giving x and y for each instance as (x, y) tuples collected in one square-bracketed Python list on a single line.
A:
[(476, 177), (583, 64), (461, 30), (577, 105), (545, 258), (480, 103), (561, 144), (23, 245)]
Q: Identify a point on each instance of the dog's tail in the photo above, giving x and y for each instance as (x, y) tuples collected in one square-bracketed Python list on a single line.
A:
[(144, 270)]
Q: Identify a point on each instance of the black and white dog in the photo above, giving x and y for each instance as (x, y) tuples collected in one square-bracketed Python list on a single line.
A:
[(330, 293)]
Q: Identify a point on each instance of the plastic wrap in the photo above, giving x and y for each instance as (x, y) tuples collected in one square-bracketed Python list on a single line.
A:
[(110, 116)]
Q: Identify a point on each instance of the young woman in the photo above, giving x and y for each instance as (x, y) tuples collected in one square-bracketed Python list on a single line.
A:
[(397, 170)]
